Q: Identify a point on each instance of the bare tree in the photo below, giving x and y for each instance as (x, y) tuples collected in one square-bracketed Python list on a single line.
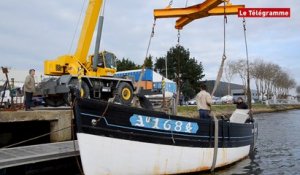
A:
[(283, 83), (298, 89), (270, 79), (240, 68), (229, 72), (271, 71), (257, 72)]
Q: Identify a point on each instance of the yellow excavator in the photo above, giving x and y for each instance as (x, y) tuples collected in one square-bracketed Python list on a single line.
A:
[(97, 71)]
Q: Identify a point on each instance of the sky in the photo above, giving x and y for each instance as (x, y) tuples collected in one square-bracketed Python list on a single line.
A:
[(32, 31)]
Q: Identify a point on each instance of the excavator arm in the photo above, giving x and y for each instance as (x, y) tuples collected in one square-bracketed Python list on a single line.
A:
[(191, 13)]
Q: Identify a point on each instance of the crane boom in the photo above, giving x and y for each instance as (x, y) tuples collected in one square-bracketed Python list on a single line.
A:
[(87, 30), (69, 64)]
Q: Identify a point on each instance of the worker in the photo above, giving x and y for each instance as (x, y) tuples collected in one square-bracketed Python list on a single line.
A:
[(181, 99), (29, 88), (240, 104), (204, 101)]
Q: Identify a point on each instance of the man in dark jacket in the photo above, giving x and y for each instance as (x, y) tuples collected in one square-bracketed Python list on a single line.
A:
[(240, 104), (29, 88)]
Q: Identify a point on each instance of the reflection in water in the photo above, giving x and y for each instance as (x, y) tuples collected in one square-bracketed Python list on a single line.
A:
[(278, 147)]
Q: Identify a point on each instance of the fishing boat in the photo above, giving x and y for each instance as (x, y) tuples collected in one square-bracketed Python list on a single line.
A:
[(118, 139)]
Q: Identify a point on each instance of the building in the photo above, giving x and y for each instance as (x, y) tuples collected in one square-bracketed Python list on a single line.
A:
[(241, 93), (222, 89), (235, 90), (151, 80)]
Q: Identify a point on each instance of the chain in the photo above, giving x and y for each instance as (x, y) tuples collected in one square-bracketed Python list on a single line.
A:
[(225, 15), (178, 38), (248, 76), (225, 22), (170, 3), (244, 24), (152, 32), (186, 3), (245, 36)]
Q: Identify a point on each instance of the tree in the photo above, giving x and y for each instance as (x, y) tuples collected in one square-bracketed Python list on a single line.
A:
[(298, 89), (188, 91), (182, 69), (229, 72), (241, 69), (126, 64), (148, 62), (257, 72), (271, 80)]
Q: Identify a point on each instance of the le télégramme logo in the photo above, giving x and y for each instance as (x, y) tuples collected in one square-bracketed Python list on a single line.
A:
[(264, 12)]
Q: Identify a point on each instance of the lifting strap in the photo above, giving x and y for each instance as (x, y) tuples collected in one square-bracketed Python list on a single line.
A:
[(220, 72), (137, 91), (147, 51), (216, 142), (219, 76)]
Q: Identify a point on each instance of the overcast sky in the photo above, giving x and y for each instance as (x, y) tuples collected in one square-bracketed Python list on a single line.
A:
[(34, 30)]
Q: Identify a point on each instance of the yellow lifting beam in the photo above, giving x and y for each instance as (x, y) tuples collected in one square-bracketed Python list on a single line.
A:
[(205, 9)]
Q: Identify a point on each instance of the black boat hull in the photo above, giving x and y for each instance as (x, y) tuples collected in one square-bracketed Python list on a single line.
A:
[(126, 140)]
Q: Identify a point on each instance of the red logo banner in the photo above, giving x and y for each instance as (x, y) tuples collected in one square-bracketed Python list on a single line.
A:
[(264, 12)]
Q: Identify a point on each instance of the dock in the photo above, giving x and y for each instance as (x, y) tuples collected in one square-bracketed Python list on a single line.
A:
[(11, 157), (57, 118)]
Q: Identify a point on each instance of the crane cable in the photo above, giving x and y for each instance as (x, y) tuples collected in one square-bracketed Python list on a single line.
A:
[(76, 28), (249, 98), (170, 4), (143, 67), (220, 72), (178, 34), (216, 122)]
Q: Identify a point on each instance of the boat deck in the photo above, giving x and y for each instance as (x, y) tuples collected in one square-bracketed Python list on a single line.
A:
[(10, 157)]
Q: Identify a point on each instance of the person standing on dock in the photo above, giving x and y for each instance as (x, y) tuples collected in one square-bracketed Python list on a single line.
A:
[(29, 88), (204, 101)]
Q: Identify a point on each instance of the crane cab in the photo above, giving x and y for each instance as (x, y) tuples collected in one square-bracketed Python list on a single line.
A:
[(106, 65)]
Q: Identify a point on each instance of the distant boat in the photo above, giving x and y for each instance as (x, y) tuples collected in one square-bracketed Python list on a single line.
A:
[(128, 140)]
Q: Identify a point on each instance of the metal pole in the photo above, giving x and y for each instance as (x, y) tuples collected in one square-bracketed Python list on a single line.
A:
[(166, 61), (98, 39)]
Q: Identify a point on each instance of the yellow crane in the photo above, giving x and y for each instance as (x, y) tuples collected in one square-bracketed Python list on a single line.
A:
[(98, 81)]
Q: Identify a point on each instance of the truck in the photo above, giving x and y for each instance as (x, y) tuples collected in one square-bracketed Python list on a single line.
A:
[(95, 72)]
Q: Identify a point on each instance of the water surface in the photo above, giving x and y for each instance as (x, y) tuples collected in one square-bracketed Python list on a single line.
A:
[(278, 147)]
